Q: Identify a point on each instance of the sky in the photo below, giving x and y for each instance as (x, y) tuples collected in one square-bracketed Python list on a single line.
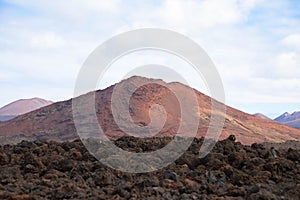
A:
[(254, 44)]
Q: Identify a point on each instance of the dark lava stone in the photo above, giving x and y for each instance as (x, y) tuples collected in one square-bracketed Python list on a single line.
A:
[(293, 155), (171, 175), (65, 165), (53, 170)]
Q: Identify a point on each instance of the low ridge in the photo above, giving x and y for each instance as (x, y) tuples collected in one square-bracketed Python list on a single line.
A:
[(22, 106)]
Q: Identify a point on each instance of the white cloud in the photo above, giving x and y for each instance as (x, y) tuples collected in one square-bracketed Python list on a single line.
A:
[(192, 14), (47, 40), (292, 40), (247, 5), (286, 65), (7, 76), (74, 9)]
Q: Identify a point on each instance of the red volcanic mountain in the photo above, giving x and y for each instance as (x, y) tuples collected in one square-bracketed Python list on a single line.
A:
[(22, 106), (149, 104)]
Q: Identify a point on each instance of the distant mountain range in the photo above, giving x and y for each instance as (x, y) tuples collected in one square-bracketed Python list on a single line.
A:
[(292, 120), (21, 106), (55, 122)]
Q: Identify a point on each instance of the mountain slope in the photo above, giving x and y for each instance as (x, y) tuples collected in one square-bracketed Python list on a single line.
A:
[(22, 106), (295, 123), (292, 120), (55, 122)]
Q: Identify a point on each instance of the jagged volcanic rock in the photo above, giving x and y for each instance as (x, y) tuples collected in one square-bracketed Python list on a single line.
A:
[(52, 170)]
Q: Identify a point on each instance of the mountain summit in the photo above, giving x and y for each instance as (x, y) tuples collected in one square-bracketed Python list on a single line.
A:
[(262, 116), (148, 105)]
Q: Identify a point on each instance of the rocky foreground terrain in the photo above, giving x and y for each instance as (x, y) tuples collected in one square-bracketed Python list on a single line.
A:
[(52, 170)]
